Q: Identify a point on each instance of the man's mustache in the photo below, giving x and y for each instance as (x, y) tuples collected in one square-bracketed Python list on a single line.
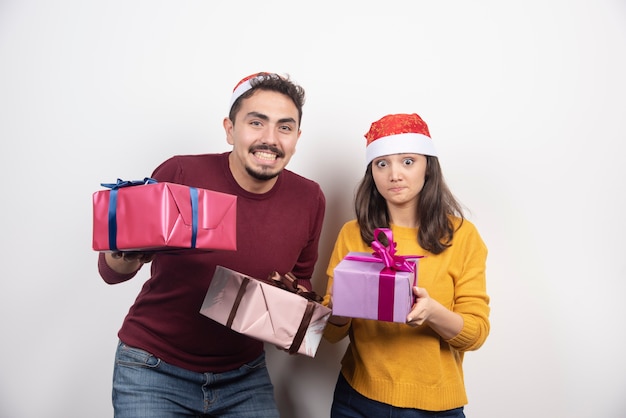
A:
[(269, 148)]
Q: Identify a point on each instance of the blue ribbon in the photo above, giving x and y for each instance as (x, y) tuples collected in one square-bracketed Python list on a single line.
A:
[(193, 192), (113, 204)]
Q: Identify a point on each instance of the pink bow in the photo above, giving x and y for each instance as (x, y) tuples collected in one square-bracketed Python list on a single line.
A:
[(388, 254)]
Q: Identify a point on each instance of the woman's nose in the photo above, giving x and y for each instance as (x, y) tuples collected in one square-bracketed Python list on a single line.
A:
[(394, 174)]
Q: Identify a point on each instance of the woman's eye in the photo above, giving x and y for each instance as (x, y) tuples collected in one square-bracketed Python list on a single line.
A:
[(407, 161), (381, 163)]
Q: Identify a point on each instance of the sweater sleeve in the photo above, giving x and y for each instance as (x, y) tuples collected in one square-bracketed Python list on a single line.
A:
[(471, 299), (169, 170), (305, 264)]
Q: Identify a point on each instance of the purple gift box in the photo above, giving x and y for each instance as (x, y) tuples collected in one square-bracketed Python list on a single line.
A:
[(375, 285)]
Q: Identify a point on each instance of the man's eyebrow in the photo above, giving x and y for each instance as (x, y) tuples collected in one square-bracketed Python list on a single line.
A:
[(265, 117), (257, 115), (287, 120)]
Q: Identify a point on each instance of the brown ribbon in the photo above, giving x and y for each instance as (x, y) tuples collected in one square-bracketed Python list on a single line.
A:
[(237, 302), (304, 325), (287, 282)]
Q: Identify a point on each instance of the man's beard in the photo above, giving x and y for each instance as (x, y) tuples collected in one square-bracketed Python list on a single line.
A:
[(262, 176)]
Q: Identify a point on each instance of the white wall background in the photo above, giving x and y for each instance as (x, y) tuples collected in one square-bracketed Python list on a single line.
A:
[(526, 103)]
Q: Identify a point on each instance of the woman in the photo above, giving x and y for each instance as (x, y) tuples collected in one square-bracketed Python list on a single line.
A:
[(412, 369)]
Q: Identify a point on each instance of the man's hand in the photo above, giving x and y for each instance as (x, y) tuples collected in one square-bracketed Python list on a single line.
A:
[(128, 262), (134, 256)]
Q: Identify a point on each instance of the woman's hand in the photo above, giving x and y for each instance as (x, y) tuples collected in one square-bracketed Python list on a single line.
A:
[(427, 310)]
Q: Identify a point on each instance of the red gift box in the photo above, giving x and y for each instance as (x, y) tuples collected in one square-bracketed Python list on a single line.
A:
[(375, 285), (151, 216)]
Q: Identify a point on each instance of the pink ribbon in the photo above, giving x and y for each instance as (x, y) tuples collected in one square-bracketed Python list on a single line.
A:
[(386, 279), (386, 255)]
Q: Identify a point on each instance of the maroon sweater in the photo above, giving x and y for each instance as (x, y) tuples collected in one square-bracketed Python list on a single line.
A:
[(278, 230)]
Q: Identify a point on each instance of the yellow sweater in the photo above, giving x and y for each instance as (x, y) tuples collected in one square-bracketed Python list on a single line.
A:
[(412, 367)]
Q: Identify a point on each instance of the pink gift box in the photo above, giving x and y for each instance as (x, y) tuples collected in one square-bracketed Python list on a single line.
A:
[(162, 216), (266, 312), (375, 285)]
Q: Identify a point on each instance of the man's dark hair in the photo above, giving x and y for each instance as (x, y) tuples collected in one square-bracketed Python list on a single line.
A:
[(272, 82)]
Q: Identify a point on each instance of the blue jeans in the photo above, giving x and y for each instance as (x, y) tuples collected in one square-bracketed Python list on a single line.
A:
[(146, 386), (348, 403)]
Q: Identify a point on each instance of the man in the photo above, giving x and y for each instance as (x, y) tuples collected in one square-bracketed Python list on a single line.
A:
[(171, 360)]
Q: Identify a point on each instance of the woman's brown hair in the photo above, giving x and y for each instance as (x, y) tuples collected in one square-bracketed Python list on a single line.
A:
[(435, 208)]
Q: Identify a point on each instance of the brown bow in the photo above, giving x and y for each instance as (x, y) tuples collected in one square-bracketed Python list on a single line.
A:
[(289, 282)]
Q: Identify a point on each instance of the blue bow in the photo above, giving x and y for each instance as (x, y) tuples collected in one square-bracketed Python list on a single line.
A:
[(126, 183)]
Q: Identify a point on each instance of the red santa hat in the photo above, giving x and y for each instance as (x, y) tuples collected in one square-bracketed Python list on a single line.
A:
[(244, 85), (398, 134)]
